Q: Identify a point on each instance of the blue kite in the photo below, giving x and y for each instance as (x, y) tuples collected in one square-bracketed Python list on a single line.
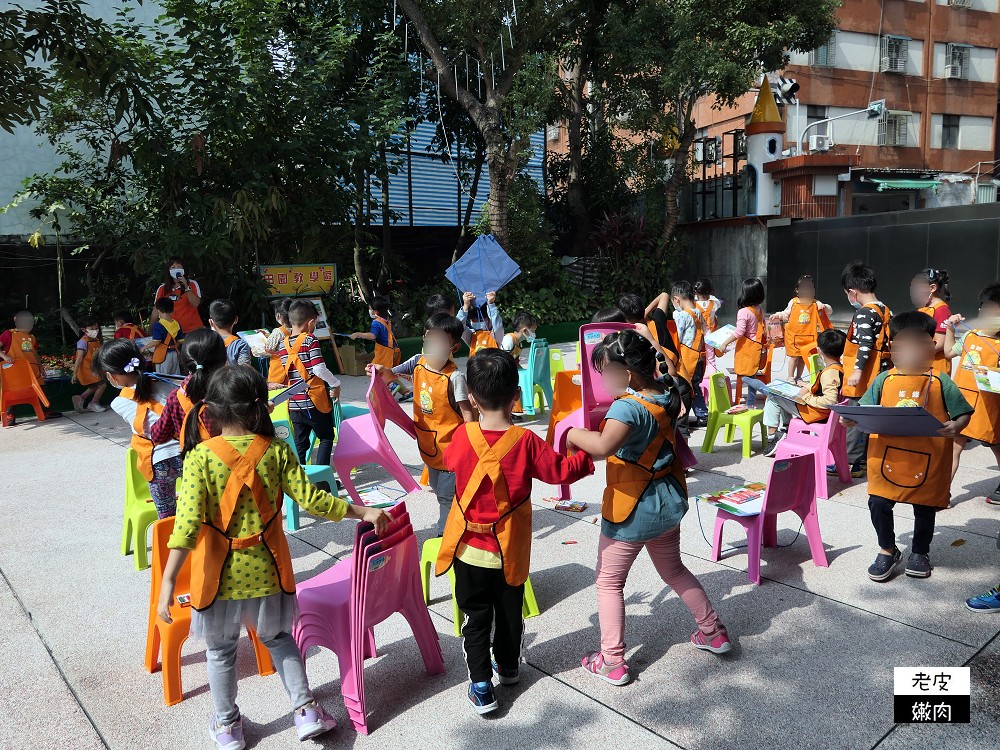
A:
[(484, 267)]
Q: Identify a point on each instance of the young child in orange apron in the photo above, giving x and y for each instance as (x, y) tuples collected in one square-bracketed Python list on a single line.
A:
[(708, 306), (275, 340), (524, 325), (804, 318), (644, 502), (690, 345), (229, 521), (975, 348), (487, 537), (387, 352), (167, 335), (750, 338), (440, 402), (125, 327), (141, 400), (83, 372), (484, 322), (929, 293), (912, 470)]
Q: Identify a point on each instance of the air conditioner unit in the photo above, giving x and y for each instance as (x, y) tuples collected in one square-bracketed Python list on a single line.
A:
[(819, 142), (953, 72), (960, 3)]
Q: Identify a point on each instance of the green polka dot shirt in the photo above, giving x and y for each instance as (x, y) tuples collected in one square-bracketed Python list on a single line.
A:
[(249, 573)]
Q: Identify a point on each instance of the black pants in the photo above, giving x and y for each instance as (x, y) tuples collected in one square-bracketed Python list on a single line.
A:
[(305, 423), (882, 520), (487, 600)]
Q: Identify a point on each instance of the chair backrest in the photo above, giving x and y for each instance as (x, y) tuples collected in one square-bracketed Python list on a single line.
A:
[(815, 363), (591, 388), (822, 433), (790, 484), (283, 429), (383, 407), (718, 393), (538, 361), (17, 380), (162, 529), (136, 486), (557, 363), (387, 578)]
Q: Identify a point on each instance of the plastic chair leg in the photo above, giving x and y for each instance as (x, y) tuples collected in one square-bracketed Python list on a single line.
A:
[(717, 538), (530, 606), (152, 645), (291, 514), (730, 432), (747, 440), (711, 432), (141, 526), (264, 664), (398, 472), (810, 522), (173, 692), (127, 535), (769, 531), (428, 556), (754, 540)]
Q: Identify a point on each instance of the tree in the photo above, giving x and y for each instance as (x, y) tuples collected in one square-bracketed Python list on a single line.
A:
[(650, 81)]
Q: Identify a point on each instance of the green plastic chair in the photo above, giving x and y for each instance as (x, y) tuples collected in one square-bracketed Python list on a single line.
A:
[(556, 364), (140, 513), (428, 557), (718, 404), (815, 364)]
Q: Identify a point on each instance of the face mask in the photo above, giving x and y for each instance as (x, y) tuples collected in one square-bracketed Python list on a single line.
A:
[(176, 272), (529, 336), (854, 303), (371, 314), (92, 332)]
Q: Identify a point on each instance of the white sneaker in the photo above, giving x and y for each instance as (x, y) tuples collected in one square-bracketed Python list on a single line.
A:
[(312, 720), (78, 404), (96, 407)]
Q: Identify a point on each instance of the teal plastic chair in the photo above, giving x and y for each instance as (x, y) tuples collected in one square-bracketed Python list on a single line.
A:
[(140, 513), (815, 364), (718, 404), (428, 557), (536, 378), (284, 431)]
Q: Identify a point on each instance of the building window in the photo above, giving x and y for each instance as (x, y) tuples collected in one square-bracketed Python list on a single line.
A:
[(892, 128), (552, 132), (956, 59), (894, 51), (949, 131), (825, 56), (815, 114)]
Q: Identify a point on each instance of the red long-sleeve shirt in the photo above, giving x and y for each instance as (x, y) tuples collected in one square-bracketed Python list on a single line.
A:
[(532, 458)]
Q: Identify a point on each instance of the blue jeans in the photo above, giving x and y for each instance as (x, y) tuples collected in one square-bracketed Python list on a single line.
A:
[(753, 387)]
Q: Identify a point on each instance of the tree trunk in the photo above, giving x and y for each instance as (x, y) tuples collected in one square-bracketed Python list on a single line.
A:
[(480, 158), (386, 234), (672, 188), (582, 242), (502, 163)]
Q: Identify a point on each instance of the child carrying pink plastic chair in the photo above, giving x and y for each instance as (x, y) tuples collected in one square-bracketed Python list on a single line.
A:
[(229, 517), (645, 499)]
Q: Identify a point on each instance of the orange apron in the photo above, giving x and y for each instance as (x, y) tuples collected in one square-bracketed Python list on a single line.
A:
[(750, 353), (435, 416), (276, 372), (214, 545), (132, 332), (874, 365), (672, 332), (708, 319), (812, 414), (187, 405), (915, 470), (141, 444), (983, 351), (85, 376), (169, 344), (387, 356), (482, 340), (512, 531), (690, 355), (21, 346), (941, 362), (628, 480), (318, 392), (802, 327)]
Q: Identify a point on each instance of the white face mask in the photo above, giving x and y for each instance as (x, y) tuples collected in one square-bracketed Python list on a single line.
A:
[(372, 315), (529, 336), (176, 272), (93, 332)]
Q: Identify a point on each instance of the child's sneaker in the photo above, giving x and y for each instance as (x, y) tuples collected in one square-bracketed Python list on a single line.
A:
[(994, 497), (616, 674), (859, 471), (772, 444), (988, 602), (78, 404), (482, 698), (312, 720), (717, 644), (884, 565), (96, 407), (506, 676), (228, 737), (918, 566)]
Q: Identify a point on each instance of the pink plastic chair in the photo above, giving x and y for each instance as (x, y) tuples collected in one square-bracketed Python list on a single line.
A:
[(790, 487), (826, 442), (337, 612), (362, 440)]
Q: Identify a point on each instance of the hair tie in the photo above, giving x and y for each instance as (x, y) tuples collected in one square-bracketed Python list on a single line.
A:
[(256, 400), (131, 366), (198, 367)]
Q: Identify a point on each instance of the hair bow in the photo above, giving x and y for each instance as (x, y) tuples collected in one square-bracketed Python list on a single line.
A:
[(131, 366)]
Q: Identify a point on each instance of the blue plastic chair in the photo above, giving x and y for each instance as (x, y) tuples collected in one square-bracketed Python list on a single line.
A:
[(284, 431), (536, 377)]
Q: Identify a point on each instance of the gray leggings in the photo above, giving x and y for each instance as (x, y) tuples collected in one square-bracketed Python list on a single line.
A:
[(221, 657), (443, 486)]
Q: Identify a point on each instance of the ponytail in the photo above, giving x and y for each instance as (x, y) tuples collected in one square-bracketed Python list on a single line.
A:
[(192, 433), (202, 353), (122, 357), (236, 397)]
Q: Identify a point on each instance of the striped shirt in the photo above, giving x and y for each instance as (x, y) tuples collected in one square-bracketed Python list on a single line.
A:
[(311, 356)]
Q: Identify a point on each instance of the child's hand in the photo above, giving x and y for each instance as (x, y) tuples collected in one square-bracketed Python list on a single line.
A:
[(275, 386), (166, 599), (954, 320), (854, 379), (467, 299), (5, 358), (73, 379), (491, 297), (804, 391), (378, 518), (335, 393), (374, 368), (951, 429), (847, 422), (720, 352), (354, 336)]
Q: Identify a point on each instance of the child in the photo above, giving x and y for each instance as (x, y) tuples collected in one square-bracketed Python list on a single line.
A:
[(229, 516), (166, 334), (140, 403), (302, 359), (709, 306), (487, 327), (645, 499), (652, 324), (804, 318), (690, 340), (387, 352), (913, 470), (440, 403), (202, 353), (818, 397), (83, 371), (276, 371), (524, 325), (125, 327), (866, 350), (487, 539), (929, 293), (978, 348), (750, 335), (222, 318), (608, 315), (20, 343)]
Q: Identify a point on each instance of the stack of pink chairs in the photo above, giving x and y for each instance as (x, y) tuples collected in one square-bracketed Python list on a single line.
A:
[(826, 442), (340, 607), (362, 440)]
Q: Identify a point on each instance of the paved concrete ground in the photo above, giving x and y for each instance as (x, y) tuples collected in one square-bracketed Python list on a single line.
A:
[(812, 667)]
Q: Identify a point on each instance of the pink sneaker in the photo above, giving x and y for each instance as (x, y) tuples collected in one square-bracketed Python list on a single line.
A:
[(717, 644), (616, 674)]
